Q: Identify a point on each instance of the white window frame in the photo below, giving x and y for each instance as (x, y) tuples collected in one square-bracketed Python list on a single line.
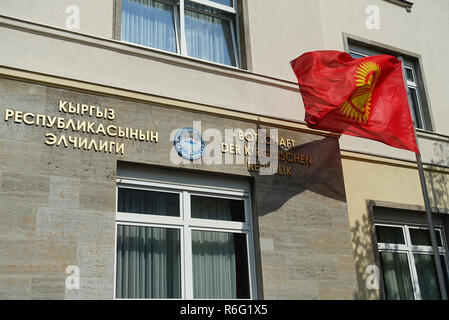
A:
[(179, 9), (413, 85), (410, 249), (186, 225)]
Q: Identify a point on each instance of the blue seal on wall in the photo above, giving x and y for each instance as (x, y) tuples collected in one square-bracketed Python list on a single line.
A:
[(189, 143)]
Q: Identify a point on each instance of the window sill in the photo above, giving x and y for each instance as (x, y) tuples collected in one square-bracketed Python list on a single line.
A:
[(403, 3), (432, 135)]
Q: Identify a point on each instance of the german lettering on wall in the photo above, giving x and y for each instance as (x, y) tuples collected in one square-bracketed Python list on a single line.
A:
[(247, 146)]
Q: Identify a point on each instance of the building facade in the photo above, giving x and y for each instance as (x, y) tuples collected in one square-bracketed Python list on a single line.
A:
[(131, 141)]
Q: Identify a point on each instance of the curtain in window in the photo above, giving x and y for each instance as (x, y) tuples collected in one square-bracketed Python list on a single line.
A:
[(214, 265), (427, 277), (209, 38), (148, 262), (148, 202), (396, 273), (149, 23), (217, 208), (213, 254)]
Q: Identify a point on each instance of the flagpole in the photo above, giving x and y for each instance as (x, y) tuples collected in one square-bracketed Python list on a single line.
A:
[(433, 238)]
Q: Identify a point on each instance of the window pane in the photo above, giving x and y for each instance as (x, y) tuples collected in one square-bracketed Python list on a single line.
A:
[(444, 266), (409, 74), (421, 237), (224, 2), (217, 208), (148, 262), (414, 107), (148, 202), (427, 277), (396, 274), (209, 38), (356, 55), (390, 235), (220, 265), (149, 23)]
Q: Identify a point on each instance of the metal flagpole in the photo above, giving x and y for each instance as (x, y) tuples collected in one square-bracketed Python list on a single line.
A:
[(433, 237)]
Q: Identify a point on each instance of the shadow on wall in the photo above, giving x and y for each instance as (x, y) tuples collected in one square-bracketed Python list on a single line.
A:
[(323, 177), (438, 182), (363, 257)]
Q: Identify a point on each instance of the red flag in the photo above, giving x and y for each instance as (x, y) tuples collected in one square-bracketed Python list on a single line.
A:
[(360, 97)]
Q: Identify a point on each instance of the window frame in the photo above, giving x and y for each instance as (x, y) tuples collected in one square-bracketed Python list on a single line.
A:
[(409, 249), (179, 9), (187, 225)]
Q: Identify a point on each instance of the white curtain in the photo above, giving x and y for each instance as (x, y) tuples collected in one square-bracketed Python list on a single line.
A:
[(148, 262), (214, 208), (148, 202), (209, 38), (427, 277), (213, 253), (214, 265), (149, 23), (396, 273)]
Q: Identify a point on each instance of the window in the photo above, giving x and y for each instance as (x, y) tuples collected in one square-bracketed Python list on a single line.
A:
[(407, 262), (203, 29), (403, 3), (182, 242), (419, 111)]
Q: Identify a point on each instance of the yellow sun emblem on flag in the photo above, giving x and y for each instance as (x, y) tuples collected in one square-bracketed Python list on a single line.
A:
[(358, 106)]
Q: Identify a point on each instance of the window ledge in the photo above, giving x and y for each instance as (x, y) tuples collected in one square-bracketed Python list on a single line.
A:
[(145, 52), (403, 3), (432, 135)]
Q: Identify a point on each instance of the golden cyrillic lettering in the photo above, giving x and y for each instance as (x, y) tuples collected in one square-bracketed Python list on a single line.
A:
[(141, 135), (73, 140), (120, 148), (25, 118), (51, 139), (104, 146), (50, 121), (62, 107), (84, 108), (90, 127), (8, 114), (93, 143), (81, 125), (72, 108), (18, 117), (100, 129), (121, 133), (108, 130), (111, 114), (60, 124), (99, 113), (40, 117), (154, 136), (133, 133), (63, 140), (71, 124), (82, 143)]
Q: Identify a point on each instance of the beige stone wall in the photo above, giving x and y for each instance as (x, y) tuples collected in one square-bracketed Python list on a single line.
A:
[(58, 203), (95, 16), (375, 178), (277, 33)]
